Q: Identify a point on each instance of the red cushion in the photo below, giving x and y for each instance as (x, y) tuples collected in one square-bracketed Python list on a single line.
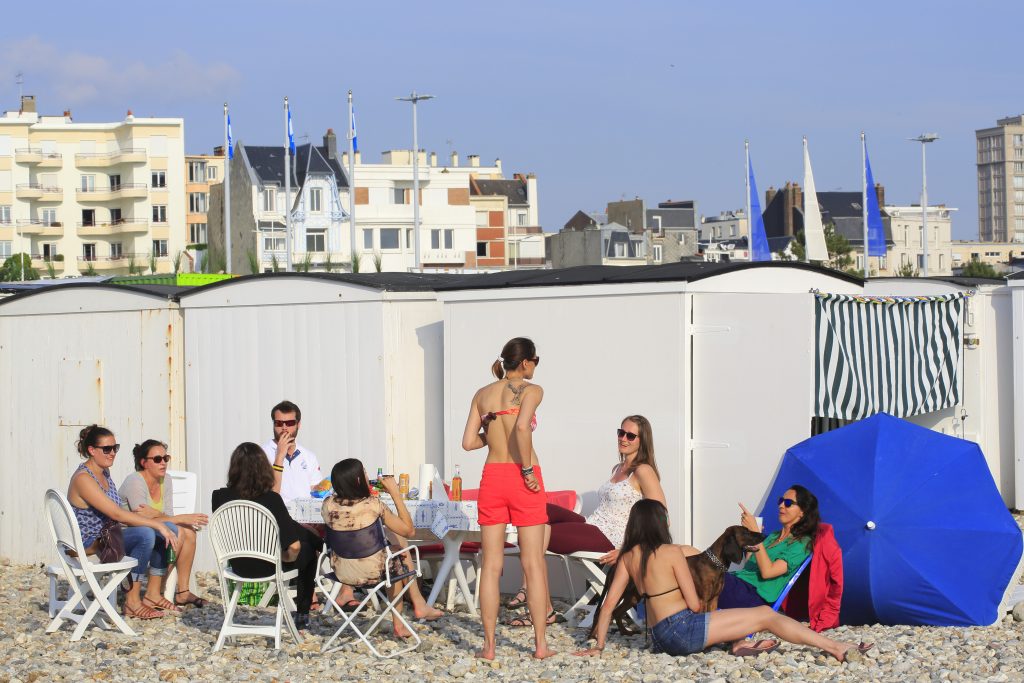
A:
[(563, 499)]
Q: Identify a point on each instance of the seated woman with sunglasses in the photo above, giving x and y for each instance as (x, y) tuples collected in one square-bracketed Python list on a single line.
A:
[(96, 503), (659, 571), (634, 477), (149, 492)]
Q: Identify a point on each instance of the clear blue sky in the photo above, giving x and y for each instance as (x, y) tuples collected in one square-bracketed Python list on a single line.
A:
[(602, 100)]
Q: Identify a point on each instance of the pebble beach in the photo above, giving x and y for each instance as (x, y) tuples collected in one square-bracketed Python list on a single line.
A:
[(179, 648)]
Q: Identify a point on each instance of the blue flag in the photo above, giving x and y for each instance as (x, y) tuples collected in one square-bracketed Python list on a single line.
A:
[(759, 250), (231, 142), (355, 140), (291, 133), (876, 232)]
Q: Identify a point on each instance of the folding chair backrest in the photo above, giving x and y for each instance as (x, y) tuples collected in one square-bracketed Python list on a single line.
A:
[(62, 522), (792, 582), (359, 543), (243, 528), (186, 489)]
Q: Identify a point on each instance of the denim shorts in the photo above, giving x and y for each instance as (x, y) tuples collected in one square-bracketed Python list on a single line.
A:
[(683, 633)]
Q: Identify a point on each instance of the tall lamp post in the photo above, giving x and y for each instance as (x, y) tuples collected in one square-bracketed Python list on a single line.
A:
[(924, 139), (414, 98)]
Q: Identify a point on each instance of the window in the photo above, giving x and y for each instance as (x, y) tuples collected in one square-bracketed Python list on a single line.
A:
[(409, 239), (389, 238), (481, 219), (115, 216), (49, 251), (115, 181), (920, 261), (89, 251), (273, 243), (619, 250), (197, 233), (197, 202), (942, 261), (159, 179), (88, 217), (49, 216), (368, 239), (883, 263), (88, 183), (439, 237), (315, 241), (159, 247), (159, 213), (521, 219), (211, 173), (481, 248), (269, 199), (316, 201), (5, 249), (197, 171), (657, 253), (399, 196), (116, 250), (5, 214)]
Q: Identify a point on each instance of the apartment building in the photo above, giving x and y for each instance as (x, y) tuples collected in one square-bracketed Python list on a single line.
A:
[(906, 253), (1000, 164), (508, 232), (201, 172), (996, 254), (91, 198)]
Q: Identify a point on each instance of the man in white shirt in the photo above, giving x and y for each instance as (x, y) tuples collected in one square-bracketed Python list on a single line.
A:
[(296, 469)]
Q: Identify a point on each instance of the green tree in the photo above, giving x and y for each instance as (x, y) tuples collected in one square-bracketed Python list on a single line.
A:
[(356, 262), (10, 271), (133, 267), (378, 261), (152, 263), (328, 263), (976, 268), (90, 269), (274, 265), (907, 270), (177, 262), (838, 247), (306, 264), (254, 263), (51, 270)]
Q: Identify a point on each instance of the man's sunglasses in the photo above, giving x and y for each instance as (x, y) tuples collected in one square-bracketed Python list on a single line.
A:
[(107, 450), (628, 436), (160, 458), (285, 423), (787, 502)]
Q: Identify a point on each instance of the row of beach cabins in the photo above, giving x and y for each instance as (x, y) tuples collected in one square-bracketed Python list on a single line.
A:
[(720, 357)]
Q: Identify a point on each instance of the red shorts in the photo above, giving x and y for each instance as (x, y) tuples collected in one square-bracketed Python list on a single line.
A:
[(504, 498)]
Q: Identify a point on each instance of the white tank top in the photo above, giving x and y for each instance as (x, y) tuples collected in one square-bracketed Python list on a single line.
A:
[(613, 506)]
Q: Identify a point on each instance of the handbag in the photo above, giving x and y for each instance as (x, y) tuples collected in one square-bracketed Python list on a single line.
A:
[(110, 547)]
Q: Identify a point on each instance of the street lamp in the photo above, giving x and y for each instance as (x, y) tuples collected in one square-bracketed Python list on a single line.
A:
[(924, 139), (414, 98)]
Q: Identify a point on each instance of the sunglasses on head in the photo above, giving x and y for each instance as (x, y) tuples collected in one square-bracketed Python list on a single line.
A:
[(160, 458), (285, 423), (628, 436), (107, 450), (787, 502)]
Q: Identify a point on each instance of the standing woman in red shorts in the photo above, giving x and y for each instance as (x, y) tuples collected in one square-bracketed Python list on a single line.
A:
[(502, 417)]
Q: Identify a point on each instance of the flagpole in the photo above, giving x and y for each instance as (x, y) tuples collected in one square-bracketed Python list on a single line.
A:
[(351, 182), (807, 240), (287, 192), (864, 199), (227, 189), (746, 183)]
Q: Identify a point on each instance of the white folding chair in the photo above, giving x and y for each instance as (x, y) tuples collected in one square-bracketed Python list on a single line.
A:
[(93, 586), (329, 587), (355, 545), (186, 488), (242, 528), (594, 578)]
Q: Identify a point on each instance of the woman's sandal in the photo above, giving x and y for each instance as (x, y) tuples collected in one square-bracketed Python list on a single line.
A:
[(196, 601), (142, 612), (763, 646), (515, 602), (525, 620), (163, 604)]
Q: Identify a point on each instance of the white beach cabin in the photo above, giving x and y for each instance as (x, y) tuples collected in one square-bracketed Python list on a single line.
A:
[(1016, 285)]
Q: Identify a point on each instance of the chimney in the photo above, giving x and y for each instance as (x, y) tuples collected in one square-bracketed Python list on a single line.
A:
[(880, 191), (769, 195), (474, 160), (433, 158), (28, 104), (359, 157), (218, 151), (331, 144), (454, 160), (497, 164), (67, 114), (344, 159)]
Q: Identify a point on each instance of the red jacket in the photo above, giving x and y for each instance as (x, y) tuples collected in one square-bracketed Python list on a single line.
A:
[(817, 595)]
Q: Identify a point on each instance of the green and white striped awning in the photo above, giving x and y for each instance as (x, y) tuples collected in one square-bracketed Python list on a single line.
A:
[(899, 355)]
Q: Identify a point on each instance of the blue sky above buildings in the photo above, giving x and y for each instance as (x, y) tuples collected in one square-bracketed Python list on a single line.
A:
[(602, 100)]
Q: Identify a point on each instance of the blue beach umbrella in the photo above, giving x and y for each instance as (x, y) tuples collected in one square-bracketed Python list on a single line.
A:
[(925, 535)]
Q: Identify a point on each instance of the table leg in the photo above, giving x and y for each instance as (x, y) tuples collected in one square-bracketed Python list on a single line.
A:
[(452, 546)]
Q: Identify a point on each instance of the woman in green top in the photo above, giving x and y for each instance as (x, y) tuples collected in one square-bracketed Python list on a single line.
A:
[(773, 563)]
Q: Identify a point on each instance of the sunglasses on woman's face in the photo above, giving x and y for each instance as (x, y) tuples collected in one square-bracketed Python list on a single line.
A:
[(107, 450), (787, 502), (628, 436), (160, 459)]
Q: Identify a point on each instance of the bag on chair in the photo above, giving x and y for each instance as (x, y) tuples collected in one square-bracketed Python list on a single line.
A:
[(110, 547)]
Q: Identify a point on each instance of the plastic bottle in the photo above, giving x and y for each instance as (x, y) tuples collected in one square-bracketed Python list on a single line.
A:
[(457, 485)]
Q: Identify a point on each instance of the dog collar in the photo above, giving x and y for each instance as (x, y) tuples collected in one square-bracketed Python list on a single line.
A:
[(714, 560)]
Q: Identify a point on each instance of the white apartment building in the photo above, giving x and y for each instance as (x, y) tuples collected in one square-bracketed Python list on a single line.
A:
[(907, 250), (84, 198)]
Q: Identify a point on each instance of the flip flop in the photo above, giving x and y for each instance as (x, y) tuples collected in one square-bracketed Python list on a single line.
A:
[(143, 612), (754, 650), (525, 620), (515, 602)]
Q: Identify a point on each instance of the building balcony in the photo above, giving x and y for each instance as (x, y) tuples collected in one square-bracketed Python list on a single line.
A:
[(39, 192), (105, 263), (41, 263), (39, 158), (116, 227), (41, 228), (445, 256), (103, 194), (105, 159)]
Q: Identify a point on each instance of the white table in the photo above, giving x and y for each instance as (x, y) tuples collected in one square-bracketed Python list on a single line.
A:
[(451, 522)]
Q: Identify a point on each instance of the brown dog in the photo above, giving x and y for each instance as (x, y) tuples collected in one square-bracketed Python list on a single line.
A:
[(707, 569)]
